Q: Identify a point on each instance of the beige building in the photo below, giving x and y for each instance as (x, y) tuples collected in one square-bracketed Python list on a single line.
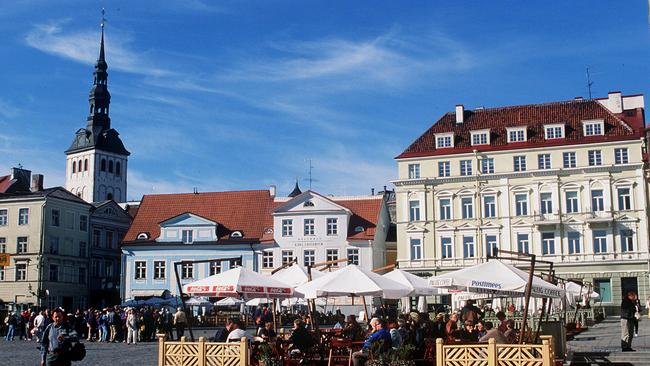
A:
[(564, 181), (46, 233)]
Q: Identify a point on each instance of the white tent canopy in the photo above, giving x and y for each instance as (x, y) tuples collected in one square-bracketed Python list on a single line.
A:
[(239, 282), (575, 290), (295, 275), (352, 280), (258, 301), (496, 278), (198, 301), (229, 301), (293, 301), (418, 285)]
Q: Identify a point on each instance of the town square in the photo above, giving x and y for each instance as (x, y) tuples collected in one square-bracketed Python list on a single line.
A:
[(276, 183)]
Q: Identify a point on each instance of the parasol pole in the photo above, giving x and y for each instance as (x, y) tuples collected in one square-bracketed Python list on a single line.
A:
[(311, 304), (529, 288), (365, 308)]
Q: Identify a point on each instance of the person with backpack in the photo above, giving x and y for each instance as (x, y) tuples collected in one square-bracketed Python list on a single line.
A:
[(59, 346)]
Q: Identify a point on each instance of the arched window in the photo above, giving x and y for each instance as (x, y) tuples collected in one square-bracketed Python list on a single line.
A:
[(109, 196), (79, 166), (102, 165), (118, 169), (86, 165), (74, 167), (110, 166)]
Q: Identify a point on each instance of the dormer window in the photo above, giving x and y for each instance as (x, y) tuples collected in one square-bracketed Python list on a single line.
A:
[(142, 236), (555, 131), (516, 134), (481, 137), (187, 236), (444, 140), (236, 234), (359, 229), (268, 230), (593, 128)]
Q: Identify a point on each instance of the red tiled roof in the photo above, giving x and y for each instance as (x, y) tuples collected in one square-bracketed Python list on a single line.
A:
[(247, 211), (623, 126), (5, 183), (365, 213)]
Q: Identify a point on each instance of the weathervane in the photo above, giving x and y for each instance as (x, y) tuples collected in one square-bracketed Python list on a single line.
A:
[(103, 18)]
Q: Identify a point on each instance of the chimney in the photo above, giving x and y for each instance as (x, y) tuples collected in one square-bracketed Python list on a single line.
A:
[(372, 191), (37, 182), (272, 190), (460, 113), (615, 102)]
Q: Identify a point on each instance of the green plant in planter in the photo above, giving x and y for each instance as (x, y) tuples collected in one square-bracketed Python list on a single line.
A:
[(402, 356), (266, 356)]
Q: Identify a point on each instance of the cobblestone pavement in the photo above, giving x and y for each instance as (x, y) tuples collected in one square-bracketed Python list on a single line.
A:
[(24, 353)]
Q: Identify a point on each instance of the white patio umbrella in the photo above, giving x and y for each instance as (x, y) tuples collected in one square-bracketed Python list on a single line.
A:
[(418, 285), (353, 280), (229, 301), (496, 278), (295, 275), (197, 301), (258, 301), (575, 290), (239, 282), (293, 301)]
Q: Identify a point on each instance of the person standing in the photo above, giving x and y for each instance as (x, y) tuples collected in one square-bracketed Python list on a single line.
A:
[(628, 308), (39, 325), (637, 315), (180, 322), (132, 327), (12, 322), (57, 341)]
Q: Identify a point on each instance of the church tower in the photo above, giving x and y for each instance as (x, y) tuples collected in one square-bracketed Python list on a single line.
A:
[(96, 161)]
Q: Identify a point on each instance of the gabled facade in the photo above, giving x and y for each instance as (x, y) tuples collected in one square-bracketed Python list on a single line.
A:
[(561, 180)]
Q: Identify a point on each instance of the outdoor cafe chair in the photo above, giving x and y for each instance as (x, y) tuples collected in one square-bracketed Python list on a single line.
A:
[(340, 352)]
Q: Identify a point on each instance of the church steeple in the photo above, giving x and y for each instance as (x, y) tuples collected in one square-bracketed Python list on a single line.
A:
[(99, 97)]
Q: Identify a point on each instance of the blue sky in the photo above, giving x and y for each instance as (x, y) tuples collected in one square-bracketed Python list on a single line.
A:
[(238, 95)]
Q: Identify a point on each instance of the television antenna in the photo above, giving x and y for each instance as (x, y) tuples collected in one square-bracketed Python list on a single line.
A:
[(589, 82)]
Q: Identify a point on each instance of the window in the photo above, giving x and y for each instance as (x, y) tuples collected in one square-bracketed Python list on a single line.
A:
[(603, 286), (487, 166), (548, 243), (3, 217), (600, 241), (85, 164), (620, 156), (465, 167), (522, 243), (3, 245), (309, 226), (516, 135), (21, 271), (159, 270), (83, 223), (23, 216), (187, 271), (79, 166), (595, 158), (597, 200), (572, 202), (97, 236), (447, 249), (332, 255), (444, 169), (234, 263), (546, 203), (118, 169), (82, 275), (491, 246), (468, 247), (102, 165), (215, 268), (544, 161), (521, 204), (267, 259), (627, 240), (574, 242), (445, 209), (414, 171), (56, 218), (489, 206), (467, 206), (519, 163), (74, 167), (187, 236), (82, 249), (287, 256), (54, 245), (416, 249), (109, 240), (624, 199), (569, 159), (480, 138), (140, 270), (69, 220), (593, 128), (414, 211), (444, 141), (108, 269), (95, 267), (554, 132), (2, 273), (287, 227), (309, 257), (332, 226), (54, 273), (21, 244), (353, 256)]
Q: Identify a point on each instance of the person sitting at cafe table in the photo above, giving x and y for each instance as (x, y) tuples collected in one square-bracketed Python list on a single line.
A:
[(451, 327), (468, 333), (502, 321), (267, 333), (379, 335), (480, 329), (439, 326), (235, 333), (300, 339), (511, 333), (340, 322), (492, 333), (352, 329)]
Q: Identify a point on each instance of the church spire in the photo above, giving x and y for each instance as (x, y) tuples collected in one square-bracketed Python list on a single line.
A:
[(99, 97)]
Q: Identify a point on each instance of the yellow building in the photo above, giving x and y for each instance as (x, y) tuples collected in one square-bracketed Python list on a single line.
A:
[(562, 180)]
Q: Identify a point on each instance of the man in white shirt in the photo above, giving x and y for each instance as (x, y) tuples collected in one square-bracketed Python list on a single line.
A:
[(235, 332), (39, 325)]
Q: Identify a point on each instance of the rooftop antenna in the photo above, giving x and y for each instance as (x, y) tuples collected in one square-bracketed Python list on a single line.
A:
[(103, 23), (589, 82), (310, 169)]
